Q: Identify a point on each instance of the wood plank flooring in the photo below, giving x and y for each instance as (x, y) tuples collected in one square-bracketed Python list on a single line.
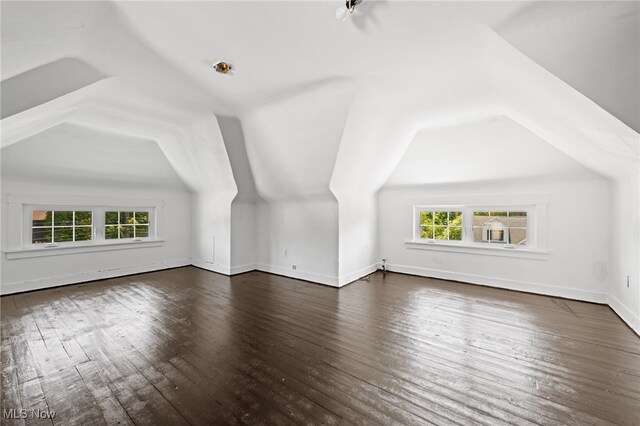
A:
[(187, 346)]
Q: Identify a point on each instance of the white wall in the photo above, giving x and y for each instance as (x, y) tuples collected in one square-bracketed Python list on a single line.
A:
[(292, 142), (624, 295), (358, 235), (46, 271), (244, 237), (243, 207), (578, 235), (307, 230)]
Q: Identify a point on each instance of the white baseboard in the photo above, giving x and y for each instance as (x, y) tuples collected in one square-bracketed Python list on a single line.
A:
[(210, 266), (356, 275), (241, 269), (302, 275), (625, 313), (40, 283), (530, 287)]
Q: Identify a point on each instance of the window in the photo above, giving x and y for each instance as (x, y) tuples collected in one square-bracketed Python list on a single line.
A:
[(61, 226), (475, 225), (58, 224), (54, 226), (128, 224), (441, 225), (508, 227)]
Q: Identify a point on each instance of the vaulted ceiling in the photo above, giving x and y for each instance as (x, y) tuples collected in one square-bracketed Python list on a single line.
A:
[(323, 103)]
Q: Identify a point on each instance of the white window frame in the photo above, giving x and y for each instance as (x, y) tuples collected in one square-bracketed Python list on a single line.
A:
[(98, 226), (536, 247), (418, 229), (467, 223), (19, 238)]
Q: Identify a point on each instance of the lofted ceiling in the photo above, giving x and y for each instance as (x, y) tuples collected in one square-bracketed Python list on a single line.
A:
[(485, 150), (74, 155), (323, 103)]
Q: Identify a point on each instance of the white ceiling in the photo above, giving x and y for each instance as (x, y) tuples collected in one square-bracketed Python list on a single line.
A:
[(486, 150), (77, 156), (397, 68), (593, 46), (280, 47)]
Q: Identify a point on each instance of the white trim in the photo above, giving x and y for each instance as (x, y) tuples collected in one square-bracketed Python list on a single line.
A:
[(632, 320), (81, 200), (84, 248), (241, 269), (531, 287), (307, 276), (211, 266), (480, 248), (468, 211), (356, 275), (18, 229), (41, 283)]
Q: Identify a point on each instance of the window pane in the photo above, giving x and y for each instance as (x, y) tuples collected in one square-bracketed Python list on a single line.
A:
[(455, 233), (83, 233), (426, 218), (455, 218), (518, 236), (41, 218), (426, 232), (62, 218), (480, 218), (83, 218), (477, 234), (142, 217), (126, 218), (126, 231), (440, 232), (61, 235), (142, 231), (111, 232), (110, 218), (518, 219), (440, 218), (41, 235)]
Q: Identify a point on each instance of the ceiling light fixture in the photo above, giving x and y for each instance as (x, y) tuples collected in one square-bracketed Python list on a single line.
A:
[(223, 67), (349, 8)]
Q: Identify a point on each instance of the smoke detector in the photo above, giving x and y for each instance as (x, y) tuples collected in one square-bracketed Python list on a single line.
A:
[(223, 67)]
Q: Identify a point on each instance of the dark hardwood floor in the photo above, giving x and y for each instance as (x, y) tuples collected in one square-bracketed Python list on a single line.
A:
[(187, 346)]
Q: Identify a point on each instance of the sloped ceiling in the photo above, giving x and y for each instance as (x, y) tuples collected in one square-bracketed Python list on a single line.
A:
[(485, 150), (78, 156), (594, 49), (386, 66)]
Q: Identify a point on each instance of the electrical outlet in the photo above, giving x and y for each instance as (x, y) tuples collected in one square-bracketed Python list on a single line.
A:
[(294, 267), (627, 281), (284, 252)]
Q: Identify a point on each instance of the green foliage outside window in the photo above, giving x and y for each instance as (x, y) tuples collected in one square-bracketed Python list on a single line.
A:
[(435, 225), (61, 226), (121, 225)]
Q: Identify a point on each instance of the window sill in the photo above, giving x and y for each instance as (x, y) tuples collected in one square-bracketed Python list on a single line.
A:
[(74, 249), (523, 253)]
